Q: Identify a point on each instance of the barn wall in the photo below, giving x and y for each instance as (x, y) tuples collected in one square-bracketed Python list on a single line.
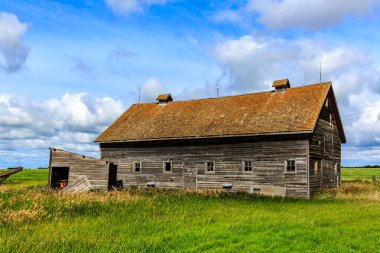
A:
[(189, 165), (325, 149), (95, 170)]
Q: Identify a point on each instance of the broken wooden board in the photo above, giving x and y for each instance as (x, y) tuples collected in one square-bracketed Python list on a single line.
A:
[(79, 184)]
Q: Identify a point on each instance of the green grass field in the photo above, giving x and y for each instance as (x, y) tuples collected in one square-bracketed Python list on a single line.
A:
[(26, 178), (35, 219), (351, 174)]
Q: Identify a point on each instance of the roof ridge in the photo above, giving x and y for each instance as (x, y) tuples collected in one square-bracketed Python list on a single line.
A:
[(238, 95)]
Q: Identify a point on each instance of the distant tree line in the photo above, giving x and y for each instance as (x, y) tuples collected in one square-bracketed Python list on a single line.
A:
[(366, 166)]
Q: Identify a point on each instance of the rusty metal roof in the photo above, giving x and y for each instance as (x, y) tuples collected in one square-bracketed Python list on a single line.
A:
[(295, 110)]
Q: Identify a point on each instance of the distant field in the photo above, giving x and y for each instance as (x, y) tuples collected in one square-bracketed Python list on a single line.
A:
[(351, 174), (26, 177)]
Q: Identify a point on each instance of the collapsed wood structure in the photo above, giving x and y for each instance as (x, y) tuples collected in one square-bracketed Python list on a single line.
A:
[(283, 142), (5, 175)]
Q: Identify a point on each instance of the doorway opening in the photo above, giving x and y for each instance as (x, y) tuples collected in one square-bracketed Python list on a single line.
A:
[(59, 177), (112, 177)]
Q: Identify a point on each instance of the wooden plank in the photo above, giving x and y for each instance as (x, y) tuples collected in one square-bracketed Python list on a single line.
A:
[(267, 158)]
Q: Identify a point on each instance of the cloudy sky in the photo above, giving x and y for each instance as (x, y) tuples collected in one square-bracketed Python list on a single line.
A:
[(69, 68)]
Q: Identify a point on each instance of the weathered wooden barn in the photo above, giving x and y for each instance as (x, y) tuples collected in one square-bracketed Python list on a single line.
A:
[(282, 142)]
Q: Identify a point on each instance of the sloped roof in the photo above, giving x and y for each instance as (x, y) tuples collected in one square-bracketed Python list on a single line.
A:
[(295, 110)]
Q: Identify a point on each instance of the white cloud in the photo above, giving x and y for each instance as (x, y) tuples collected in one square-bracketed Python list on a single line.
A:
[(124, 7), (359, 156), (151, 88), (315, 14), (252, 62), (12, 50), (365, 131), (72, 122)]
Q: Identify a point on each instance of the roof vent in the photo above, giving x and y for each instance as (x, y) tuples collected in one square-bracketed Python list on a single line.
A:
[(280, 85), (164, 98)]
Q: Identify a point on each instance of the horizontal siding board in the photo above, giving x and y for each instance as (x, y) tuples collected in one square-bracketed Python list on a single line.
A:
[(189, 165)]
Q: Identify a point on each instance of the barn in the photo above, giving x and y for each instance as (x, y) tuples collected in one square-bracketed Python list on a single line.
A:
[(285, 142)]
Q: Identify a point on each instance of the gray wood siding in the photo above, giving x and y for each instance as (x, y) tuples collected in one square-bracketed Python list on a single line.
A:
[(94, 169), (189, 165), (325, 147)]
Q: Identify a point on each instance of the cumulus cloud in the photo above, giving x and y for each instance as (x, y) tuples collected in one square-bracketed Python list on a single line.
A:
[(315, 14), (365, 131), (124, 7), (151, 88), (72, 122), (253, 61), (14, 53)]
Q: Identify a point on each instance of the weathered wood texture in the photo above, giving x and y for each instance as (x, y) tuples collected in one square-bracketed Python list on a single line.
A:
[(95, 170), (189, 165), (325, 154)]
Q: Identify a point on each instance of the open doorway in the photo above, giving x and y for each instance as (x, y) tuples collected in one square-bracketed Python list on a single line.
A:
[(59, 177), (112, 176)]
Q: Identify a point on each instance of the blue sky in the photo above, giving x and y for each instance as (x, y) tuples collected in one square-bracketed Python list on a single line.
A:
[(69, 68)]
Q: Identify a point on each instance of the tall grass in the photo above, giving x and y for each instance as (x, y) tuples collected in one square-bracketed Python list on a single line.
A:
[(177, 221), (37, 219)]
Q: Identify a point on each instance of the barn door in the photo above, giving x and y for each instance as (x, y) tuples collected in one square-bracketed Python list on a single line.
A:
[(189, 175), (112, 176)]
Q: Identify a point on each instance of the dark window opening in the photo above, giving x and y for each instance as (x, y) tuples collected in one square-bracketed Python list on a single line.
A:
[(247, 165), (256, 191), (137, 167), (59, 177), (210, 166), (291, 166), (168, 166)]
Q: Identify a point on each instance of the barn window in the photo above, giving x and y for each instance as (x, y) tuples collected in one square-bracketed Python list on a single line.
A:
[(291, 166), (316, 169), (247, 165), (336, 168), (210, 166), (167, 166), (137, 167)]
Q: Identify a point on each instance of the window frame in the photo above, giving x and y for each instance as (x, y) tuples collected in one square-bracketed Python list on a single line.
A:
[(164, 166), (244, 166), (213, 167), (286, 166), (134, 167)]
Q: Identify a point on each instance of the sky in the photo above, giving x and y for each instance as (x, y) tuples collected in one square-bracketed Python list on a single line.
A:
[(69, 68)]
